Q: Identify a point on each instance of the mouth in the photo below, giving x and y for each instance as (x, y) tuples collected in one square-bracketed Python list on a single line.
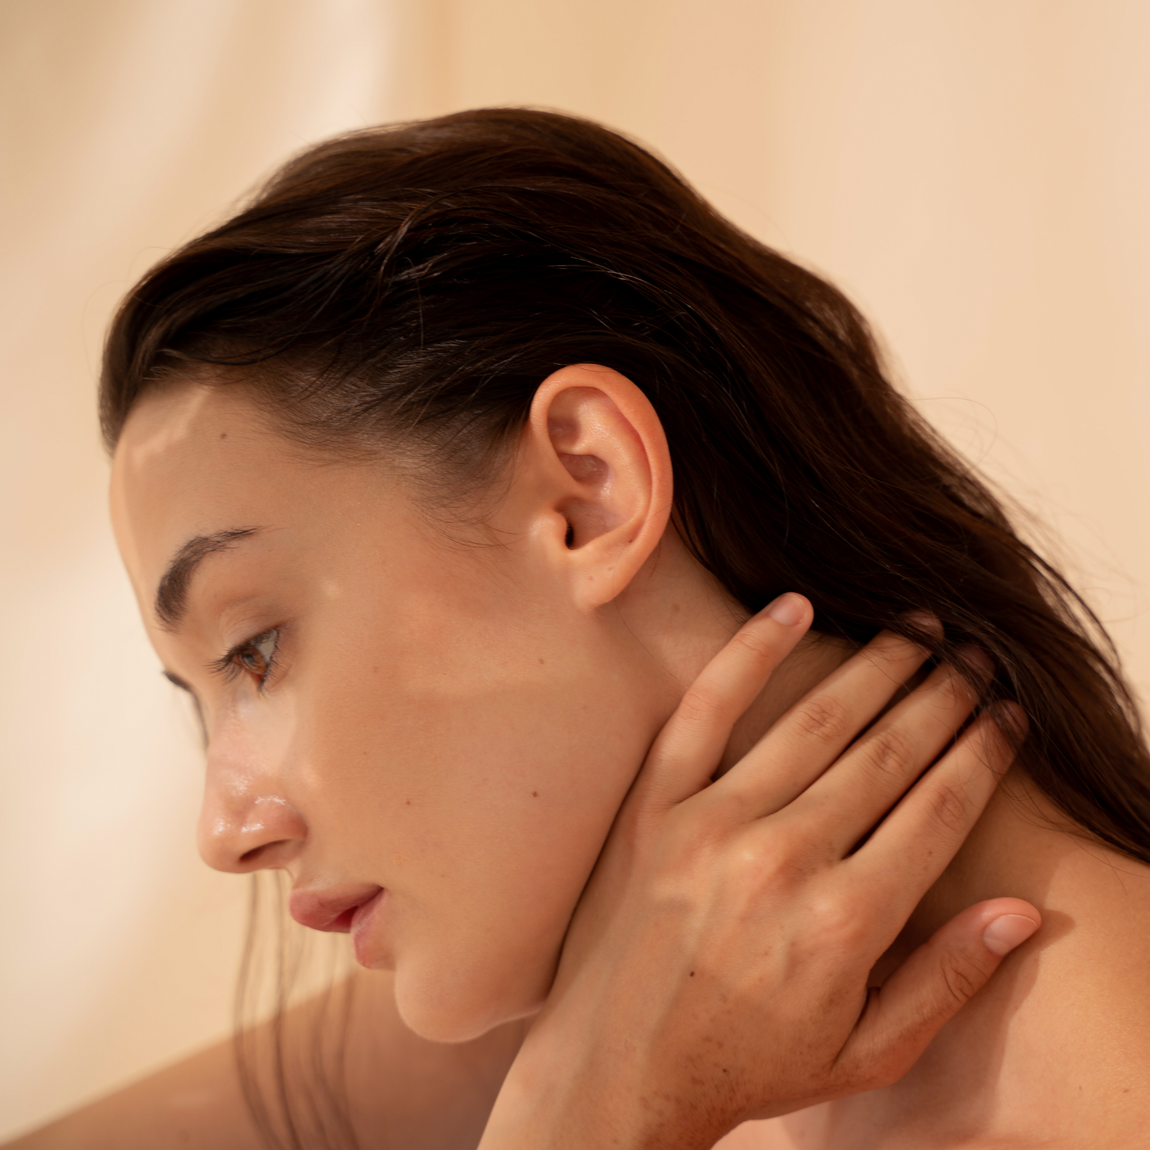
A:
[(342, 912)]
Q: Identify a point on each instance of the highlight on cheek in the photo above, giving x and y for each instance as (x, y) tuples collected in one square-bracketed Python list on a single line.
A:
[(467, 542)]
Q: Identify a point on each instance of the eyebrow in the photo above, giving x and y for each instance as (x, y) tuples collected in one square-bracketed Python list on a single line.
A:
[(172, 593)]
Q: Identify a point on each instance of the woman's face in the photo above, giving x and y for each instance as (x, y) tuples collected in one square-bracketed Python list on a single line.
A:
[(430, 736)]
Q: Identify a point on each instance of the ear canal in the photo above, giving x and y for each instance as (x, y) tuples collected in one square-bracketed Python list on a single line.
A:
[(570, 537)]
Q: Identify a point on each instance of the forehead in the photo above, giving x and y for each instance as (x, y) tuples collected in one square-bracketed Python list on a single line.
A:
[(197, 460)]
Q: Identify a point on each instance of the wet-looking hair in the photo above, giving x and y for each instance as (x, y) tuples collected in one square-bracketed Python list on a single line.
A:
[(406, 290)]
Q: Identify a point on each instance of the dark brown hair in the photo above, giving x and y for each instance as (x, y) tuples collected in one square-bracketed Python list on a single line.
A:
[(406, 289)]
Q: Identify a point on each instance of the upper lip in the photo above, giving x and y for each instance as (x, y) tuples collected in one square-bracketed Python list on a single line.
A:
[(330, 909)]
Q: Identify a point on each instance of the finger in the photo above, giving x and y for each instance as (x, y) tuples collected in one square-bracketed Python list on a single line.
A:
[(816, 730), (932, 985), (918, 839), (687, 751), (862, 786)]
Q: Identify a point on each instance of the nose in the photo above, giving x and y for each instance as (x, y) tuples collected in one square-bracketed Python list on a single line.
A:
[(246, 822)]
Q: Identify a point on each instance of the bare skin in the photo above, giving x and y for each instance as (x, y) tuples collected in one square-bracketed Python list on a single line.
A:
[(479, 892), (1056, 1051), (405, 1092)]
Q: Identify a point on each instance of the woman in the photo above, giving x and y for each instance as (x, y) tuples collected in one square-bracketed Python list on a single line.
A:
[(393, 480)]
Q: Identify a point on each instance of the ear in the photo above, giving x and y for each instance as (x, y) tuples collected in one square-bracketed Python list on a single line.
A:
[(595, 461)]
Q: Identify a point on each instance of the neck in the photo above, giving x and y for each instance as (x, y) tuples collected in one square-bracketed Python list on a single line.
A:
[(1055, 1051)]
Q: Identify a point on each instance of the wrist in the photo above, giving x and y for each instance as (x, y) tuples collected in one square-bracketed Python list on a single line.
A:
[(557, 1098)]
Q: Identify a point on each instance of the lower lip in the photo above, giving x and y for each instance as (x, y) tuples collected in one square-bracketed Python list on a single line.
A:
[(361, 925)]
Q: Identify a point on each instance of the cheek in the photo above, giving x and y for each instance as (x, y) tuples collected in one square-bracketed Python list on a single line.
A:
[(480, 797)]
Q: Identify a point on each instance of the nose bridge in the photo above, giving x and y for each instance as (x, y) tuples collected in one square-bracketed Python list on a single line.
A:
[(247, 820)]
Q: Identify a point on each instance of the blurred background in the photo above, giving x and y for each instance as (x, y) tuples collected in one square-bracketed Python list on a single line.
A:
[(974, 173)]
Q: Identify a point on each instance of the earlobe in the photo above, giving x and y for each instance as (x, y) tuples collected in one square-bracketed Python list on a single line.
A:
[(597, 437)]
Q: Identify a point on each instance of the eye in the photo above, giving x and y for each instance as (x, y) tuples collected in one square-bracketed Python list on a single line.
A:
[(256, 656)]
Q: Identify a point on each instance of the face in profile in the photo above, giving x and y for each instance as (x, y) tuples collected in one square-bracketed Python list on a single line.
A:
[(429, 733)]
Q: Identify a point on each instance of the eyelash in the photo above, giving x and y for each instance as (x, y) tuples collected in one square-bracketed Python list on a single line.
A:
[(230, 665)]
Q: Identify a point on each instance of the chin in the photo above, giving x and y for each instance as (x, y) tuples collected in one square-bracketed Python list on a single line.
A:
[(457, 1005)]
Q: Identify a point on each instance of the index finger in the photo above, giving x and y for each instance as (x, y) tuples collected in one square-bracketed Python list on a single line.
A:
[(687, 751)]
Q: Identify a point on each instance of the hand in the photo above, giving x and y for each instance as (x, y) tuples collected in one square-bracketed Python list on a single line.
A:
[(716, 968)]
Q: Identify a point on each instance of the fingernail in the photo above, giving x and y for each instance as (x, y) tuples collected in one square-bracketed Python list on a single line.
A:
[(1007, 932), (1011, 719), (925, 621), (975, 666), (788, 609)]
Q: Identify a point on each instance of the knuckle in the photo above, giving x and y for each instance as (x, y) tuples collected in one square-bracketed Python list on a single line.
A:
[(748, 870), (838, 925), (961, 980), (700, 704), (751, 642), (950, 808), (823, 717), (889, 753), (797, 846), (758, 873)]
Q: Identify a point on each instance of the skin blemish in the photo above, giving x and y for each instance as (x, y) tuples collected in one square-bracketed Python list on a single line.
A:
[(534, 794), (223, 435)]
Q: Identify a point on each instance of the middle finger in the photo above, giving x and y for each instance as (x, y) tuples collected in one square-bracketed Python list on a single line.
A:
[(848, 800), (818, 728)]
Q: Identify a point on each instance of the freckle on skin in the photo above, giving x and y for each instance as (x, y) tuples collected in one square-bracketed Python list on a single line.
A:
[(223, 435), (534, 794)]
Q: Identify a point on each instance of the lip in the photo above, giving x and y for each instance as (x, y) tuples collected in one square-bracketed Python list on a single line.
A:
[(341, 910), (361, 919)]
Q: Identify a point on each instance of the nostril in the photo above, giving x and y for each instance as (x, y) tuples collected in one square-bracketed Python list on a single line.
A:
[(242, 832), (253, 857), (271, 854)]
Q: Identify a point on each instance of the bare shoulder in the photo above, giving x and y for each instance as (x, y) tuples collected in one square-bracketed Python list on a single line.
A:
[(395, 1089)]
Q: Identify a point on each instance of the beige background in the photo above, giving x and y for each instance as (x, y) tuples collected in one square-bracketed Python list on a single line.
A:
[(976, 173)]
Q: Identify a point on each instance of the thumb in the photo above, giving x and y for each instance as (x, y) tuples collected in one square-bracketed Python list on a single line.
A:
[(930, 987)]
